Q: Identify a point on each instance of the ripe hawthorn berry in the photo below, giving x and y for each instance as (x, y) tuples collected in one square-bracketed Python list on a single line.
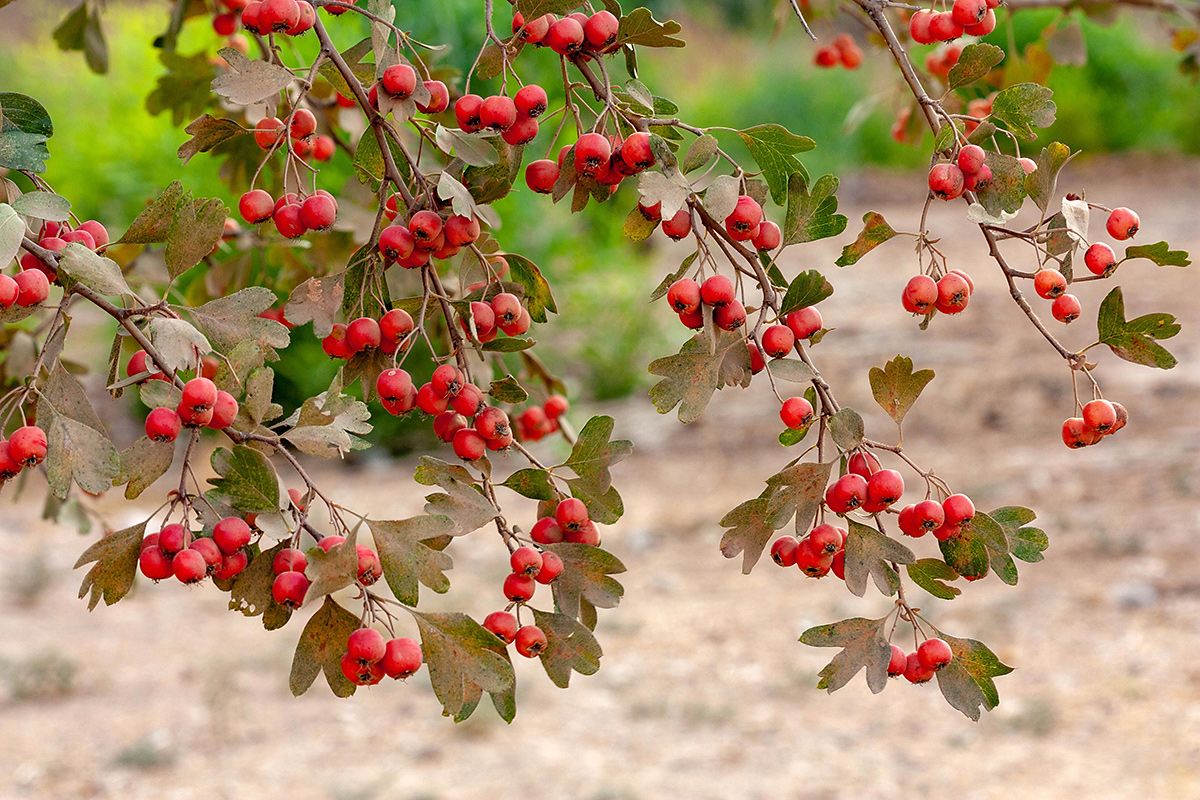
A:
[(461, 230), (155, 564), (308, 19), (812, 562), (915, 672), (303, 124), (396, 390), (519, 588), (636, 151), (318, 212), (933, 654), (692, 319), (907, 521), (268, 132), (1099, 416), (189, 566), (194, 417), (546, 531), (717, 291), (9, 292), (588, 534), (796, 413), (1122, 224), (978, 181), (208, 549), (1122, 417), (968, 12), (447, 424), (327, 543), (401, 658), (592, 152), (396, 242), (399, 80), (173, 538), (783, 551), (1049, 283), (930, 514), (958, 510), (970, 158), (552, 567), (466, 112), (846, 493), (369, 567), (805, 322), (943, 28), (920, 294), (526, 561), (425, 226), (447, 380), (897, 663), (684, 296), (498, 112), (469, 401), (1100, 259), (565, 36), (827, 539), (601, 30), (335, 345), (33, 287), (231, 534), (571, 514), (678, 226), (953, 293), (778, 341), (366, 645), (163, 425), (256, 206), (492, 423), (946, 181), (885, 487), (469, 445), (439, 98), (984, 26), (826, 57), (288, 222), (743, 222), (82, 237), (323, 148), (530, 641), (224, 411), (1075, 433), (541, 175), (199, 393), (502, 624), (278, 15), (362, 334), (289, 559), (919, 26), (731, 316), (232, 565), (1066, 308), (769, 236)]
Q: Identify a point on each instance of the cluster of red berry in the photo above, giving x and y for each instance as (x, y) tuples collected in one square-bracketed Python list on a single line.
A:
[(969, 17), (293, 215), (426, 235), (1098, 418), (949, 294), (605, 159), (919, 667), (460, 414), (25, 448), (301, 126), (1050, 284), (369, 657), (289, 17), (31, 285), (941, 60), (515, 118), (537, 422), (570, 35), (570, 523), (821, 551), (203, 405), (844, 50), (174, 550), (387, 333), (530, 567)]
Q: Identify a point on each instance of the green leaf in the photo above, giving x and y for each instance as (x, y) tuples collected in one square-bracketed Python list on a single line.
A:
[(929, 574), (43, 205), (1041, 183), (875, 232), (462, 660), (462, 501), (773, 148), (1134, 340), (532, 483), (153, 224), (665, 285), (691, 376), (207, 132), (637, 226), (246, 481), (1027, 543), (12, 233), (846, 428), (196, 227), (25, 127), (538, 298), (1159, 252), (116, 557), (489, 184), (249, 81), (332, 569), (365, 72), (406, 557), (966, 553), (507, 390), (532, 9), (975, 61), (595, 452), (76, 451), (791, 370), (794, 436), (795, 491), (1023, 107), (569, 646), (508, 345), (1006, 192), (896, 387), (868, 552), (699, 152), (806, 289), (229, 321), (966, 682), (995, 539), (474, 150), (81, 31), (639, 27), (811, 215), (184, 88), (320, 649), (92, 270), (143, 463), (585, 575), (864, 644)]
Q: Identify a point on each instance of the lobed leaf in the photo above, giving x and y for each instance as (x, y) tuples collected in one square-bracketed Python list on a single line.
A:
[(811, 215), (320, 649), (1135, 340), (570, 646), (407, 558), (875, 232), (774, 148), (116, 557), (869, 552), (896, 387), (864, 645)]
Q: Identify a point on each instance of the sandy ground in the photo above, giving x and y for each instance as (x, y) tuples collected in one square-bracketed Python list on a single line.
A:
[(704, 692)]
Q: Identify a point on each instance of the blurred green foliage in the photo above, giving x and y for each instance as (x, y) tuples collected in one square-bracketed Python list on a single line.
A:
[(110, 155)]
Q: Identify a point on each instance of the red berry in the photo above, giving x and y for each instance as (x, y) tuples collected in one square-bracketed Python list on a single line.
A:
[(469, 401), (943, 28), (288, 223), (163, 425), (885, 487), (864, 464), (366, 645), (907, 520), (308, 18), (526, 561), (33, 287), (1066, 308), (959, 509), (552, 567), (256, 206), (919, 26), (231, 534), (565, 36), (953, 293), (173, 538), (1100, 259), (920, 294), (812, 562), (208, 549), (540, 176), (946, 181), (717, 291), (224, 411), (783, 551), (978, 181), (439, 98), (194, 417), (933, 654), (827, 539), (503, 624), (743, 222), (971, 157), (363, 334), (519, 588), (232, 565), (778, 341), (189, 566), (399, 80), (805, 322), (730, 316), (396, 386), (897, 663), (9, 291), (1099, 416), (592, 152), (796, 413), (318, 212), (684, 296), (1122, 417), (930, 515), (530, 641), (401, 658), (769, 236), (588, 534), (492, 423), (571, 514), (847, 493), (636, 151), (278, 15), (679, 226), (425, 226), (1122, 224), (601, 30), (395, 324), (97, 231), (1050, 283), (546, 531), (289, 559), (304, 123), (694, 320), (199, 393), (335, 344), (356, 672), (447, 424), (826, 57), (466, 111), (323, 148), (1075, 433), (369, 567), (914, 671), (396, 243), (469, 445), (536, 30), (968, 12)]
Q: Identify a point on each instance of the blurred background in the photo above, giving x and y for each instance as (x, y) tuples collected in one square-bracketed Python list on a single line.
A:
[(704, 692)]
